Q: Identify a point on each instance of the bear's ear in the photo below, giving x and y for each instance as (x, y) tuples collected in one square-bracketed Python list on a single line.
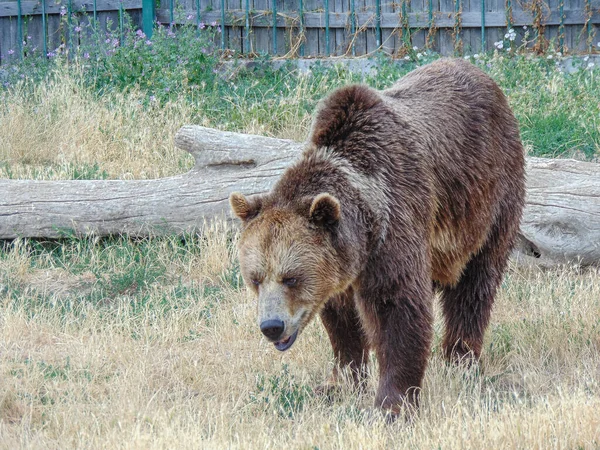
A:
[(325, 210), (243, 207), (344, 112)]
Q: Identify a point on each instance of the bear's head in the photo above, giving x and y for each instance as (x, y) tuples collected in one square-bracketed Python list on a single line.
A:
[(288, 260)]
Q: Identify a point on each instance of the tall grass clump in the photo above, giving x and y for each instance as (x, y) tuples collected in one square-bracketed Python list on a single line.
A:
[(110, 110)]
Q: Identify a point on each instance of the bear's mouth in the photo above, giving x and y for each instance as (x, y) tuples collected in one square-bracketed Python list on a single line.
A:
[(286, 343)]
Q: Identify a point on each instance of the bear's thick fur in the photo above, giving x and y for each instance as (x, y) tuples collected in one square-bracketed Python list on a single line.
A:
[(399, 193)]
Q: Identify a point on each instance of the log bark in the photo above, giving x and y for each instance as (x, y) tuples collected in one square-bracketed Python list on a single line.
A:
[(561, 223)]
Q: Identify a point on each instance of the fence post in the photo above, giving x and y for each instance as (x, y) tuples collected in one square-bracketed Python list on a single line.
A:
[(247, 26), (378, 23), (561, 26), (19, 29), (274, 27), (223, 25), (44, 29), (353, 26), (482, 26), (148, 16), (327, 49), (302, 32)]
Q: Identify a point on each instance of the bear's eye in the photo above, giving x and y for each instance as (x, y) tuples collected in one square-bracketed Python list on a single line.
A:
[(290, 281), (255, 281)]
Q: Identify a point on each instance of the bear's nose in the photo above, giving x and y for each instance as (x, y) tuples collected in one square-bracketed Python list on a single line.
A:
[(272, 328)]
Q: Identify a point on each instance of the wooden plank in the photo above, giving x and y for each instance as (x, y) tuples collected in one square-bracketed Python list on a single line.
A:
[(282, 45), (470, 19), (234, 34), (338, 34), (53, 7), (259, 23), (8, 44), (33, 33), (311, 47), (388, 35), (445, 40)]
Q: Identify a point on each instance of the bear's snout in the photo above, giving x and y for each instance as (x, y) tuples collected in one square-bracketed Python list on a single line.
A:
[(272, 329)]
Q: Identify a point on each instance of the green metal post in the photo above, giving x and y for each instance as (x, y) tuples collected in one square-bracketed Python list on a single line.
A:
[(19, 29), (197, 13), (561, 26), (353, 26), (148, 16), (508, 14), (456, 24), (429, 21), (588, 13), (483, 26), (69, 29), (327, 49), (44, 28), (121, 23), (223, 25), (378, 23), (406, 32), (247, 13), (301, 7), (274, 27), (171, 12)]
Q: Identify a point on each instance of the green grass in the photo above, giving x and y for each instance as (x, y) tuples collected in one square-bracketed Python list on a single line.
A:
[(558, 112)]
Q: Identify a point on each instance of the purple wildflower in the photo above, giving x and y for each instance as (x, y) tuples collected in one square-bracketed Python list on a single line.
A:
[(86, 55), (50, 54), (11, 52), (63, 11), (140, 34), (190, 17), (202, 25), (219, 29), (213, 24), (167, 89), (77, 29), (152, 98), (148, 42), (115, 42), (28, 38), (107, 41)]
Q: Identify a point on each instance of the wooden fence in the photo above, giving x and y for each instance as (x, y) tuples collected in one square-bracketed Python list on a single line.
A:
[(313, 27)]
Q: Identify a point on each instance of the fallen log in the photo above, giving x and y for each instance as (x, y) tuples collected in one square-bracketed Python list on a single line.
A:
[(561, 223)]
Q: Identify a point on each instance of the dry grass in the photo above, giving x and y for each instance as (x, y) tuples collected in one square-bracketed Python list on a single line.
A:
[(175, 360), (153, 344), (60, 128)]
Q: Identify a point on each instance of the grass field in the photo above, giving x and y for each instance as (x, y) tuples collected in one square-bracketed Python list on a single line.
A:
[(152, 343)]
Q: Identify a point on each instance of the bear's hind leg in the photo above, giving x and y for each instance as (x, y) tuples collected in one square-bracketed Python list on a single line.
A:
[(350, 347), (467, 306)]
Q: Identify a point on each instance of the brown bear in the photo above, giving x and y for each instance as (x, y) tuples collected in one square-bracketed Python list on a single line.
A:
[(399, 193)]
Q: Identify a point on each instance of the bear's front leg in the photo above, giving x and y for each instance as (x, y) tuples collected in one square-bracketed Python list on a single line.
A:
[(398, 321), (349, 343)]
